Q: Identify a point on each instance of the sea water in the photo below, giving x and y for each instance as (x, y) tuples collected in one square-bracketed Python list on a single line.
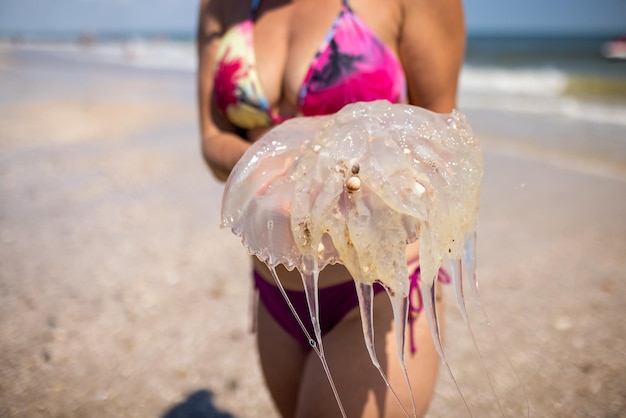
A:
[(547, 98), (555, 75)]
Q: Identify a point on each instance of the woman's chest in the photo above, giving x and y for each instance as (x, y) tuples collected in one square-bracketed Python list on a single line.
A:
[(286, 40)]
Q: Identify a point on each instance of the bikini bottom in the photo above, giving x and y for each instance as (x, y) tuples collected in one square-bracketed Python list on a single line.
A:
[(334, 303)]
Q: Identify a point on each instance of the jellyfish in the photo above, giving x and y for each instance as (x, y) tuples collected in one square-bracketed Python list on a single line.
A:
[(355, 188)]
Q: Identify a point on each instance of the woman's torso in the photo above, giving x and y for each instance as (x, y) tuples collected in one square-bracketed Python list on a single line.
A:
[(286, 37)]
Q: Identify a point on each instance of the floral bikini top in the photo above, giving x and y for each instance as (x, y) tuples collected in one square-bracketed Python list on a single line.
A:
[(351, 65)]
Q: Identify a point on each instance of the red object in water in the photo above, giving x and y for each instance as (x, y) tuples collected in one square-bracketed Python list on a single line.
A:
[(615, 48)]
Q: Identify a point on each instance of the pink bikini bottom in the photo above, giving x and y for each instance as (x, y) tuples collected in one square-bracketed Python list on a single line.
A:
[(334, 303)]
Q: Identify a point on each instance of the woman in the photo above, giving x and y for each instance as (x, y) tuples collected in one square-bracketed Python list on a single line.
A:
[(262, 62)]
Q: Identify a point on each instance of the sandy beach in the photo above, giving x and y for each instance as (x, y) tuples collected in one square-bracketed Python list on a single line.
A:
[(121, 297)]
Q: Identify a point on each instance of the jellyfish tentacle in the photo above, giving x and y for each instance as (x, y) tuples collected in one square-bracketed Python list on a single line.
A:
[(430, 309), (365, 294), (316, 345), (293, 309), (469, 259), (400, 306), (310, 279), (469, 254), (457, 280), (465, 267)]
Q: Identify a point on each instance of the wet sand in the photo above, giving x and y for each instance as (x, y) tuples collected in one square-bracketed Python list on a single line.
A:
[(121, 297)]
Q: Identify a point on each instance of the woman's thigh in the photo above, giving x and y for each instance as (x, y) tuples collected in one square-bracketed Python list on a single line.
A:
[(282, 361), (362, 390)]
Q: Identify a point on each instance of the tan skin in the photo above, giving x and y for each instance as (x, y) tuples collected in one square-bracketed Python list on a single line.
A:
[(429, 38)]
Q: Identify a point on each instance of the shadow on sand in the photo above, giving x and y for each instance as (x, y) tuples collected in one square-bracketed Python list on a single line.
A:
[(197, 405)]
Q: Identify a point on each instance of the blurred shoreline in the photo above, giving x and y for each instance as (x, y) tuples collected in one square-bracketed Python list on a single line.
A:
[(564, 76), (551, 99)]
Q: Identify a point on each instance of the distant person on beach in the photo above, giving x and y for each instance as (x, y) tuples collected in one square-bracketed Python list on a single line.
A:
[(263, 62)]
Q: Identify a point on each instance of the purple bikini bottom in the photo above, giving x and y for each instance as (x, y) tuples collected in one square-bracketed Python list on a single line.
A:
[(334, 303)]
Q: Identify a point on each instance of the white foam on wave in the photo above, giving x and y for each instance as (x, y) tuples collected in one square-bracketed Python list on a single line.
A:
[(158, 54), (545, 82), (538, 90), (533, 91)]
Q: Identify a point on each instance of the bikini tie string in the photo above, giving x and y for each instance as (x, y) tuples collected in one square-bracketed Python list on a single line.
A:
[(416, 303)]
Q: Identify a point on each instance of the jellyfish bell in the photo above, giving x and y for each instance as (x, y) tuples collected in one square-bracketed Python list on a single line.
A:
[(355, 188), (417, 174)]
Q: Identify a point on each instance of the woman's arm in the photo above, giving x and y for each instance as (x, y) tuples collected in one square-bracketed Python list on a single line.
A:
[(432, 48), (221, 147)]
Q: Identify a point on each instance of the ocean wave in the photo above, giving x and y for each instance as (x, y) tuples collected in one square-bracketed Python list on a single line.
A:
[(534, 82), (591, 97), (146, 54), (597, 112), (167, 55), (542, 90)]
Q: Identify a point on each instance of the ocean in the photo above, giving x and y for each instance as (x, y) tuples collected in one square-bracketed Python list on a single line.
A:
[(565, 76), (549, 97), (548, 75)]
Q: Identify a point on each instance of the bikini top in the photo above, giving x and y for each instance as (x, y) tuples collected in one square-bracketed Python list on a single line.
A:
[(351, 65)]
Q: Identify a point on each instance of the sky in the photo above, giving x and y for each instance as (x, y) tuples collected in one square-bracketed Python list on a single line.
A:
[(483, 16)]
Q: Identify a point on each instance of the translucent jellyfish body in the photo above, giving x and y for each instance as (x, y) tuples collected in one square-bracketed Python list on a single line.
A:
[(355, 188)]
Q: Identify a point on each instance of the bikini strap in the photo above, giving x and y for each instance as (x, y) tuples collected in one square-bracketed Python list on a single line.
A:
[(346, 5), (254, 8)]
